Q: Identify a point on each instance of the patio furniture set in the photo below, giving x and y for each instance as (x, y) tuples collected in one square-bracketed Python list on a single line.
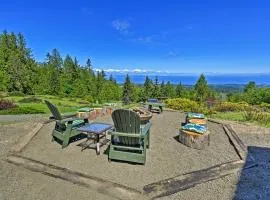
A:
[(130, 132), (155, 105), (130, 135)]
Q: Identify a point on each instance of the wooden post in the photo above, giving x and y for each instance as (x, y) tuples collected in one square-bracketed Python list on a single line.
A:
[(194, 140)]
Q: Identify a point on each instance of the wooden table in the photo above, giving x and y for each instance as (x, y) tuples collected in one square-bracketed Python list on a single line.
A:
[(154, 104), (95, 131)]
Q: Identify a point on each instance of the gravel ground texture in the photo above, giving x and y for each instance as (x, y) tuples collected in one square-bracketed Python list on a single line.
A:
[(23, 118), (17, 183), (166, 158)]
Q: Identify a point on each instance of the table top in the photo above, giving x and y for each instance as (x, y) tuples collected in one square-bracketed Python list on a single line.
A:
[(95, 127)]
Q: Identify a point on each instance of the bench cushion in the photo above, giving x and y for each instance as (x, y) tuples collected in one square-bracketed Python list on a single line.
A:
[(195, 115), (195, 128)]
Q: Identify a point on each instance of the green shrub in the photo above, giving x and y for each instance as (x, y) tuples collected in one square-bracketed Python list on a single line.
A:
[(184, 104), (265, 106), (258, 116), (17, 94), (30, 100), (231, 107), (3, 94), (72, 99), (90, 99), (6, 104)]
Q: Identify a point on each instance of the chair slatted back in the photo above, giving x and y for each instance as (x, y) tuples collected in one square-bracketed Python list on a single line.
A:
[(54, 110), (127, 121)]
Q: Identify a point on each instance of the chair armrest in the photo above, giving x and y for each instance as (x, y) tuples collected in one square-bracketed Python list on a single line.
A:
[(132, 135)]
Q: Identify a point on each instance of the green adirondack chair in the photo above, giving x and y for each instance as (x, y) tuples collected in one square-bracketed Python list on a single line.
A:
[(129, 139), (65, 126)]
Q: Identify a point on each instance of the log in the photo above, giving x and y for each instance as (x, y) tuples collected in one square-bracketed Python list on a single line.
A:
[(24, 141), (194, 140), (189, 180), (113, 190)]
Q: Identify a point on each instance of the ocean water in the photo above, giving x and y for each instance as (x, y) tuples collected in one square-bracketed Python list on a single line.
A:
[(260, 79)]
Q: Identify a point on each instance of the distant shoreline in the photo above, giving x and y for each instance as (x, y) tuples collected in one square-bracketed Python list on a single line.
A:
[(219, 79)]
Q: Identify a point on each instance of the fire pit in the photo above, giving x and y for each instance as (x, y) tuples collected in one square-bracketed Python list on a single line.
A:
[(145, 115)]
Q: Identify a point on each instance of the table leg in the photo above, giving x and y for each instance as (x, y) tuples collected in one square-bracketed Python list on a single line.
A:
[(98, 147)]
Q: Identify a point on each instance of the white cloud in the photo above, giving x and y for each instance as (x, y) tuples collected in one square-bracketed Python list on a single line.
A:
[(122, 26), (139, 70), (97, 70), (135, 71)]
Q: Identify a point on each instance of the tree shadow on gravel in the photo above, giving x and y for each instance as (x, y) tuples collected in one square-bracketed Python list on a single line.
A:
[(72, 139), (254, 181)]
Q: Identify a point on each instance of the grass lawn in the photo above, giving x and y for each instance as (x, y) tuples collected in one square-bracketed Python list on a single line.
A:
[(234, 116), (35, 104), (238, 116)]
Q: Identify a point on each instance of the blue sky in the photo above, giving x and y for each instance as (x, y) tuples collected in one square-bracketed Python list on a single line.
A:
[(174, 36)]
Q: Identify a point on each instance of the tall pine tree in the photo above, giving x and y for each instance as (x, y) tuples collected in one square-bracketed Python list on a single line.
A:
[(180, 90), (128, 91), (156, 91), (148, 85), (201, 88)]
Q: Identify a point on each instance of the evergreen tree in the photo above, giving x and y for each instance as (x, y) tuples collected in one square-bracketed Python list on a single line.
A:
[(250, 86), (163, 92), (68, 66), (148, 85), (103, 74), (128, 91), (16, 64), (99, 85), (170, 91), (89, 67), (111, 78), (201, 88), (67, 79), (180, 90), (156, 92), (54, 63)]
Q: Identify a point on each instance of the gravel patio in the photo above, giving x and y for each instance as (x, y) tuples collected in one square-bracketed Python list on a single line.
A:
[(166, 157)]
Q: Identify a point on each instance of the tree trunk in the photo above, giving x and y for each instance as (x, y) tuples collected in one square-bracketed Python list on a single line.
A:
[(194, 140)]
